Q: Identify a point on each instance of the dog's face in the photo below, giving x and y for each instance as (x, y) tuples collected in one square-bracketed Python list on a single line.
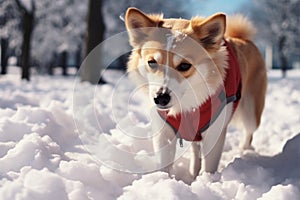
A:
[(180, 62)]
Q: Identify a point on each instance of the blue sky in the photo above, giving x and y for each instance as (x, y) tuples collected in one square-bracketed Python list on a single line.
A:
[(209, 7)]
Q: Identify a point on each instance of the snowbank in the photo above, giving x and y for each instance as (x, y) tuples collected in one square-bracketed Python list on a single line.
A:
[(43, 157)]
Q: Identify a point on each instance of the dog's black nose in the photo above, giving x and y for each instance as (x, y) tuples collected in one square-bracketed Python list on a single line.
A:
[(162, 99)]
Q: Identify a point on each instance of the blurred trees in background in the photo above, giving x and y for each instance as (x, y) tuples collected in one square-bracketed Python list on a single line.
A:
[(278, 24), (41, 32), (46, 34), (9, 31), (59, 31)]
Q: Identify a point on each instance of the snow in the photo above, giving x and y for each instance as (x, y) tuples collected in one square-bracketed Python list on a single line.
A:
[(27, 4), (62, 139)]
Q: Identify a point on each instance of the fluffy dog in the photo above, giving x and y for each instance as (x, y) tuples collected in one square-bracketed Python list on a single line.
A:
[(199, 74)]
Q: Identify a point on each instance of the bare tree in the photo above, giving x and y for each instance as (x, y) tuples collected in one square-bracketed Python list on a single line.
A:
[(95, 32), (4, 57), (27, 11)]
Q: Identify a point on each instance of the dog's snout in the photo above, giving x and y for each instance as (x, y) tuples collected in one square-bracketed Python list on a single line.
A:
[(162, 98)]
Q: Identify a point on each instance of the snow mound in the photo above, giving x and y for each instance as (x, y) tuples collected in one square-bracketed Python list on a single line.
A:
[(43, 155), (150, 187)]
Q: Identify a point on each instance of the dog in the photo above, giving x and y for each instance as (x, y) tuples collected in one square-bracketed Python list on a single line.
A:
[(200, 74)]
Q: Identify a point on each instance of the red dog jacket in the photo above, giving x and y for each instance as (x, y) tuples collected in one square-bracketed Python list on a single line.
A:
[(190, 125)]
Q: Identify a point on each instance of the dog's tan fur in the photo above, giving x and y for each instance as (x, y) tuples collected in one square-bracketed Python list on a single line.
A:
[(210, 32)]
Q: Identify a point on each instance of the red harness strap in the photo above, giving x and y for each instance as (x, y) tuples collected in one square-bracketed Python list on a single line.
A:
[(190, 125)]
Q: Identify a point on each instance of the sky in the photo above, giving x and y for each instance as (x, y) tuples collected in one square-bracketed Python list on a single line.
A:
[(213, 6)]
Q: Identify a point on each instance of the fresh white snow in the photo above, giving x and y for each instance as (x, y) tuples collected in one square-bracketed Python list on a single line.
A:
[(57, 139)]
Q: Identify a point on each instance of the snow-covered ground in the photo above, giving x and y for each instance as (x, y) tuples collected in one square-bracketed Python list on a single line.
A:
[(51, 130)]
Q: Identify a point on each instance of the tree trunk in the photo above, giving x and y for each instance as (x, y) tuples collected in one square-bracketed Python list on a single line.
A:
[(27, 28), (78, 57), (4, 57), (64, 57), (50, 69), (95, 28), (282, 56), (28, 20), (90, 70)]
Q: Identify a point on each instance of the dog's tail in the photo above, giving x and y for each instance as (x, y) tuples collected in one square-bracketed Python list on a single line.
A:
[(239, 26)]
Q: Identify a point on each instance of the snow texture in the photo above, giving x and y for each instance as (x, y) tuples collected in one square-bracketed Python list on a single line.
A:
[(27, 4), (42, 156)]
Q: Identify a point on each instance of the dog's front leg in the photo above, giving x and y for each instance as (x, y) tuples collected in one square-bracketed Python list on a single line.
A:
[(213, 141), (164, 143), (212, 151), (195, 161)]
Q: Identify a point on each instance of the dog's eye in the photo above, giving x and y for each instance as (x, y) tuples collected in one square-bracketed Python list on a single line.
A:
[(152, 64), (182, 67)]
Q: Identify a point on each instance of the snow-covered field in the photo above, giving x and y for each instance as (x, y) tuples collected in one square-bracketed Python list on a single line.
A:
[(50, 129)]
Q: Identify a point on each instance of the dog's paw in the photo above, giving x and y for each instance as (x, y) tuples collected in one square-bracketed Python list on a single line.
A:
[(247, 147), (209, 177), (246, 150)]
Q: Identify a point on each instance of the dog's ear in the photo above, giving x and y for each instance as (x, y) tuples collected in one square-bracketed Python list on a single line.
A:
[(137, 24), (137, 19), (210, 32)]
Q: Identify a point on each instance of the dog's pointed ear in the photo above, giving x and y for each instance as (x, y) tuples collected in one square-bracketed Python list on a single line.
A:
[(135, 18), (137, 23), (210, 32)]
